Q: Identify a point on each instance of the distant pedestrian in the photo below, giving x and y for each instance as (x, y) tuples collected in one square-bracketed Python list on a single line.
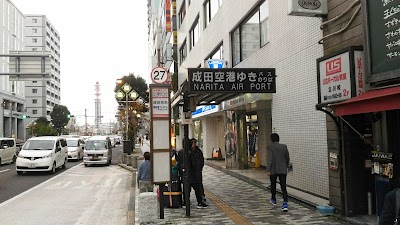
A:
[(196, 162), (140, 140), (277, 166), (144, 174)]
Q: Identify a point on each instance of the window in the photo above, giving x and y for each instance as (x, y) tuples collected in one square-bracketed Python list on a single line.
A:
[(34, 101), (217, 53), (194, 33), (182, 52), (34, 90), (34, 30), (34, 49), (34, 111), (34, 82), (210, 9), (34, 20), (251, 34), (34, 40), (182, 13)]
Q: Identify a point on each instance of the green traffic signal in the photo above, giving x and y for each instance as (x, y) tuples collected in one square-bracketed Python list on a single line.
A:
[(25, 116)]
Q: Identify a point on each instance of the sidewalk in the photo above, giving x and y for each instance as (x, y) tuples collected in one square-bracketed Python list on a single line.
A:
[(241, 197)]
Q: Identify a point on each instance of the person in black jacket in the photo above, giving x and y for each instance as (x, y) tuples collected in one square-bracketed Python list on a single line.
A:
[(389, 211), (196, 162)]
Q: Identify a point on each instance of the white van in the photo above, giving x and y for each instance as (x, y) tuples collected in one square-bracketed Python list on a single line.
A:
[(75, 148), (42, 154), (8, 150), (98, 150)]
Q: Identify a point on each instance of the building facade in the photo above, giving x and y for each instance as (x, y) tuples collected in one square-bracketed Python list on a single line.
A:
[(258, 34), (42, 95), (12, 93)]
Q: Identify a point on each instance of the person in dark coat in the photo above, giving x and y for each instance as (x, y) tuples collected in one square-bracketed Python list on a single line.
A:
[(196, 163), (389, 211), (277, 167)]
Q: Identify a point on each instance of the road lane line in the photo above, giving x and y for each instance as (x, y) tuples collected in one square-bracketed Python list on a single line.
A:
[(2, 171), (32, 189)]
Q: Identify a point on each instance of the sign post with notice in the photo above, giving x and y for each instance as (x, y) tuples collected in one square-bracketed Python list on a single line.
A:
[(160, 137)]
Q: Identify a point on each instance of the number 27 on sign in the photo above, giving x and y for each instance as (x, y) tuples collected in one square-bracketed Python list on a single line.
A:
[(159, 75)]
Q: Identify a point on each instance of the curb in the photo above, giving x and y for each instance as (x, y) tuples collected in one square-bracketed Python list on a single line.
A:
[(127, 167)]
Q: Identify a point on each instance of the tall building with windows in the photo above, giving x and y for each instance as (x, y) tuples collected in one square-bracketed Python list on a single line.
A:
[(42, 95), (256, 34), (11, 92)]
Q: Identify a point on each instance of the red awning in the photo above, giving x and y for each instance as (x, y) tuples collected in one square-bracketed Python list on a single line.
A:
[(370, 101)]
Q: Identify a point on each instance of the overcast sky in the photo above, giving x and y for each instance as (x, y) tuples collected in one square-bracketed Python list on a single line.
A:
[(100, 41)]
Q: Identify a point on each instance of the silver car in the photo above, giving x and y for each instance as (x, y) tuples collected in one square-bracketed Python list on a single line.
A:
[(98, 150)]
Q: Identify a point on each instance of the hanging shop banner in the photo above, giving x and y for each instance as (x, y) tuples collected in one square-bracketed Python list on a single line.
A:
[(382, 39), (231, 80), (341, 76), (160, 106)]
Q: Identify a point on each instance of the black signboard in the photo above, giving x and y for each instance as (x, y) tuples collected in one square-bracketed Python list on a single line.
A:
[(232, 80), (382, 39)]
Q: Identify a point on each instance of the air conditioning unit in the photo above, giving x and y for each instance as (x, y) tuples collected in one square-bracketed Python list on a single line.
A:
[(309, 8)]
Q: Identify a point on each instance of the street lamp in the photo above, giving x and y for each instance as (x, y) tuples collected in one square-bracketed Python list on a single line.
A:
[(127, 92)]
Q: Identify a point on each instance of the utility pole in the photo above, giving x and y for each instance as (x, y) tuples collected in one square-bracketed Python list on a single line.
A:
[(86, 133)]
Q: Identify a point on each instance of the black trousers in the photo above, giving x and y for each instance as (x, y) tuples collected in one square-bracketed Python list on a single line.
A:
[(198, 191), (282, 181)]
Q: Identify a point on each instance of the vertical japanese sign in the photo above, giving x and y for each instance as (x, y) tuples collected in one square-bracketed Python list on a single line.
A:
[(160, 135), (361, 84), (382, 42), (168, 16)]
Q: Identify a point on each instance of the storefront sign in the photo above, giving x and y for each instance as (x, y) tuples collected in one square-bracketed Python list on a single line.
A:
[(160, 104), (341, 76), (216, 63), (382, 26), (385, 156), (204, 110), (308, 7), (232, 80), (333, 161), (243, 100)]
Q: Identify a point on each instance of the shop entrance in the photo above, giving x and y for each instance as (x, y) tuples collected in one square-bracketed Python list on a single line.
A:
[(360, 182), (252, 139)]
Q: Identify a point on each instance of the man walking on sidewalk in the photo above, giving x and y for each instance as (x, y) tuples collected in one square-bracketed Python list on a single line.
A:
[(196, 161), (277, 166)]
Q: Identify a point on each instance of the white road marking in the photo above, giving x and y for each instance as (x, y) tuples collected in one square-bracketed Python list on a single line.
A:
[(30, 190), (107, 184), (80, 186), (118, 182), (2, 171)]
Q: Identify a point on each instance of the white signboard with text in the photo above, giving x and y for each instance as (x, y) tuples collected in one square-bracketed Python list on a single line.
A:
[(335, 82), (341, 75), (160, 106)]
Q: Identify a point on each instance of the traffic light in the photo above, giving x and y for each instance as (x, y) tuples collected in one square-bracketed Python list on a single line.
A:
[(25, 116), (69, 116)]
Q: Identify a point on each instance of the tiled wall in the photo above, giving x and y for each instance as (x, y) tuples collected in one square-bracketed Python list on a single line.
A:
[(292, 50)]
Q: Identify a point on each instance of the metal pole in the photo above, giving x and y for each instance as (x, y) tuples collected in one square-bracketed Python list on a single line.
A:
[(126, 116), (86, 133), (186, 184)]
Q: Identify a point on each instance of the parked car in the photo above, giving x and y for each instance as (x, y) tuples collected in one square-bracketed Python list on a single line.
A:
[(8, 150), (75, 148), (97, 151), (112, 142), (42, 154), (117, 140)]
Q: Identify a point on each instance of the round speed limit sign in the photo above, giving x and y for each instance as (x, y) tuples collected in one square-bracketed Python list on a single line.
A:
[(159, 75)]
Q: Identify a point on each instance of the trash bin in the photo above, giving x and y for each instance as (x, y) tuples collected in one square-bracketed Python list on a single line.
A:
[(127, 147)]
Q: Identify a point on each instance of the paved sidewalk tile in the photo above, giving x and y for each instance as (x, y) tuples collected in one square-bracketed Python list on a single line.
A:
[(245, 199)]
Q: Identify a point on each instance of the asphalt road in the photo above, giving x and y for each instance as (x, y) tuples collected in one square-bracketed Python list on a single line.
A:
[(12, 184)]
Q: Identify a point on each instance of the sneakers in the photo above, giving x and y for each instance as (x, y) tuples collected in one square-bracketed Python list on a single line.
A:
[(202, 205), (284, 207), (272, 201)]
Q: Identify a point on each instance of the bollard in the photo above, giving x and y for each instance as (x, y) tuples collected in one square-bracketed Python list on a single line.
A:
[(134, 160)]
